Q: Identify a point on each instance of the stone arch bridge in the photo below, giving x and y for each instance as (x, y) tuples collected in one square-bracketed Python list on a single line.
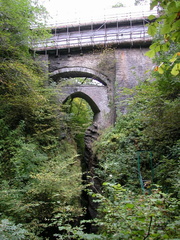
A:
[(109, 51), (95, 95)]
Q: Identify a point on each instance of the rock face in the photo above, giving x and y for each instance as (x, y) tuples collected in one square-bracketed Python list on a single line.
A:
[(91, 135), (90, 160)]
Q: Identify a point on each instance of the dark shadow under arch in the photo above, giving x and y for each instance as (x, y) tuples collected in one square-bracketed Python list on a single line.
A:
[(89, 100)]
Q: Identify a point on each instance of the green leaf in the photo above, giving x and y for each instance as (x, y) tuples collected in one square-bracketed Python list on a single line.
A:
[(154, 45), (165, 47), (158, 48), (160, 70), (176, 69), (175, 36), (173, 59), (165, 29), (150, 53), (171, 7), (152, 30), (171, 18), (176, 25), (129, 205), (141, 219), (153, 4), (105, 183), (151, 17), (178, 4)]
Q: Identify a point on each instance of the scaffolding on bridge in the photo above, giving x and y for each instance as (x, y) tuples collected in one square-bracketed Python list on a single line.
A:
[(112, 29)]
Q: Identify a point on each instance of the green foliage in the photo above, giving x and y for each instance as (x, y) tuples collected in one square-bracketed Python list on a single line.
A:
[(151, 124), (122, 214), (26, 160), (41, 178), (126, 215), (76, 233), (46, 193), (80, 113), (17, 21), (168, 84), (10, 231), (118, 5), (40, 175), (80, 117), (167, 26), (116, 151), (59, 179), (168, 171)]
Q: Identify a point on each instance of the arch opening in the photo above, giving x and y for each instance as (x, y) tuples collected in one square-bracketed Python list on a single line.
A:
[(78, 72), (79, 81), (84, 96), (80, 112)]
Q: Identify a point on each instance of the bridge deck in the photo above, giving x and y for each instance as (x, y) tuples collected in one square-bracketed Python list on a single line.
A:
[(128, 28)]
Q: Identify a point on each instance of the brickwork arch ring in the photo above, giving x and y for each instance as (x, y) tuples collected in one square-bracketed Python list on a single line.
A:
[(68, 72)]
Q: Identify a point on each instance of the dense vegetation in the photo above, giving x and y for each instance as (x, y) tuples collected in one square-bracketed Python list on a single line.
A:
[(40, 169), (40, 172), (139, 157)]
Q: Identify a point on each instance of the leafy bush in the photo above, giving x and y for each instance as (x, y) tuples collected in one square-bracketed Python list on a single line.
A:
[(10, 231), (123, 214)]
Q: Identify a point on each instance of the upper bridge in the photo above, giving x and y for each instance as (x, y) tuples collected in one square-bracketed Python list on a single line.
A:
[(115, 28)]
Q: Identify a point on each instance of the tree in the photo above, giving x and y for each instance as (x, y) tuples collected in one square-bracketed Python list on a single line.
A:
[(167, 27), (37, 167), (126, 215), (118, 5), (19, 22), (10, 231), (19, 73)]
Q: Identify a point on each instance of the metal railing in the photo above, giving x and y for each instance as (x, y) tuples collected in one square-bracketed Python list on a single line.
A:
[(92, 40), (67, 40)]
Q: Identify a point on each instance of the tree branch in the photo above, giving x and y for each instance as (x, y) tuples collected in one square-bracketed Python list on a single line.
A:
[(149, 228)]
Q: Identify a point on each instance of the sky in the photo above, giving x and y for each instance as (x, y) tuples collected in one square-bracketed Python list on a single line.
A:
[(79, 10)]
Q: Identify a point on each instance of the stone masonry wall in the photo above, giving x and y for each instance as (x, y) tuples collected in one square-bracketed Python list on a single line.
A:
[(121, 67)]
